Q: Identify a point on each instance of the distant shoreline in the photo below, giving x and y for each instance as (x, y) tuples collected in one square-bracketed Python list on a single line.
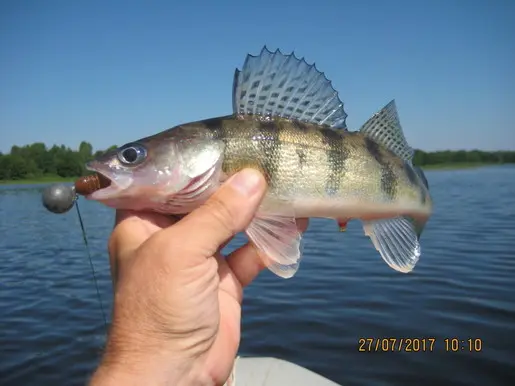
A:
[(55, 179), (38, 180), (459, 165)]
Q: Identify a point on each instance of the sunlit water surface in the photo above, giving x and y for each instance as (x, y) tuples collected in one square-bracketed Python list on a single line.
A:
[(51, 327)]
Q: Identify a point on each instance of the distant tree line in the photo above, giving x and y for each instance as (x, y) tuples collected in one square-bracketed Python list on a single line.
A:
[(423, 158), (38, 160)]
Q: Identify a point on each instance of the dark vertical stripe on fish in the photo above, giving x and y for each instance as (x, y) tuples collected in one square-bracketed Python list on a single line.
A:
[(336, 157), (413, 178), (216, 126), (423, 195), (302, 158), (302, 126), (269, 145), (388, 179)]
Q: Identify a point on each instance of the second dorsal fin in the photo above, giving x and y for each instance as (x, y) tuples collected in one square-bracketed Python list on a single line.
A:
[(275, 84), (385, 128)]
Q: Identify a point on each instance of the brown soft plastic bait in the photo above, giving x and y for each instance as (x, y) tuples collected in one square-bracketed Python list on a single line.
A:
[(86, 185)]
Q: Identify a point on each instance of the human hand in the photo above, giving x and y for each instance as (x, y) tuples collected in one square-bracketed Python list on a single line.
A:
[(177, 301)]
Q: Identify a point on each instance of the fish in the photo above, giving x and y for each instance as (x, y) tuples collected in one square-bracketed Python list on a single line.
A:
[(289, 123)]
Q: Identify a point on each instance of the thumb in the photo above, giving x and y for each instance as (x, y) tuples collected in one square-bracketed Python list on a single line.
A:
[(227, 212)]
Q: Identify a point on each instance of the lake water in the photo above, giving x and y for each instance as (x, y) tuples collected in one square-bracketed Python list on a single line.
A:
[(52, 331)]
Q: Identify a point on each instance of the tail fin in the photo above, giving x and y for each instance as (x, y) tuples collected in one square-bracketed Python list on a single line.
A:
[(396, 239)]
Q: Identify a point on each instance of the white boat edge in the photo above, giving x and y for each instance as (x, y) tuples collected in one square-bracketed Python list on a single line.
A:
[(270, 371)]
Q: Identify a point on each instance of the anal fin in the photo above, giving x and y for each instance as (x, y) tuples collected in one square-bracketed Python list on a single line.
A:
[(396, 240), (278, 241)]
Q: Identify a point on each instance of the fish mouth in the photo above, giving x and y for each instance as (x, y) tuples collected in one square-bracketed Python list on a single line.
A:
[(118, 182)]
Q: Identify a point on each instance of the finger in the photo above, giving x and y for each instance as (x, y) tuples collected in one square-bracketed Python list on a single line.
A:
[(132, 229), (151, 218), (226, 213), (246, 263), (229, 283)]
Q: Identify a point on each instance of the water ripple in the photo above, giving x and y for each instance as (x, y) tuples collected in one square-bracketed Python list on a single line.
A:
[(51, 328)]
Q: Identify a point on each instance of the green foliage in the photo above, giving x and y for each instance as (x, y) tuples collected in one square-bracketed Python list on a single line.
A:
[(38, 161), (449, 157)]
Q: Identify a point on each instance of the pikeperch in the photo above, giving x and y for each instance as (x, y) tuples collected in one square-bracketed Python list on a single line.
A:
[(289, 123)]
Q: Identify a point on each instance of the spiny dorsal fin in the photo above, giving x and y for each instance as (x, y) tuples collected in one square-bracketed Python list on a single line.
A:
[(385, 128), (274, 84)]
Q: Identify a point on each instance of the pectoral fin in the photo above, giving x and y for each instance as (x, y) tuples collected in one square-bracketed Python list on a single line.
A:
[(396, 240), (278, 241)]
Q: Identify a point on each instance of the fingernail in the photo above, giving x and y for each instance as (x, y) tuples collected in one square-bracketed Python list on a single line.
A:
[(246, 182)]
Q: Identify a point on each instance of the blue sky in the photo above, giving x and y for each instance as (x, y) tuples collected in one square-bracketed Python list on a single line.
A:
[(114, 71)]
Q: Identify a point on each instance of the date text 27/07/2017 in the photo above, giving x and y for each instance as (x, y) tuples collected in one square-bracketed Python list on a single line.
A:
[(419, 344)]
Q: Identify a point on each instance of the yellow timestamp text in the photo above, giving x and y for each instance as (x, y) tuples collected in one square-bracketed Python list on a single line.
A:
[(469, 344), (419, 344)]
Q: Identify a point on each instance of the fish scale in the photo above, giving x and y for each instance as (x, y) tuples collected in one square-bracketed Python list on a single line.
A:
[(288, 122), (306, 159)]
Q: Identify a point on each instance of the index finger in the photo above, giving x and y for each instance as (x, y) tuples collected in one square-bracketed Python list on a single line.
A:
[(132, 229)]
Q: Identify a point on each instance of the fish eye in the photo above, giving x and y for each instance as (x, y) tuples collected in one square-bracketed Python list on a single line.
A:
[(132, 154)]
